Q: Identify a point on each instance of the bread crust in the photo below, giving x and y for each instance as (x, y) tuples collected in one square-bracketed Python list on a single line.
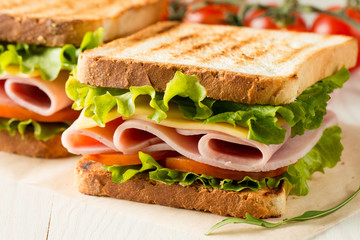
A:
[(92, 179), (56, 23), (44, 31), (32, 147), (107, 67)]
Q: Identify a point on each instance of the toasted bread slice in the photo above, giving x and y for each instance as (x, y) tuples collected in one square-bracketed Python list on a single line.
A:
[(32, 147), (92, 179), (233, 63), (60, 22)]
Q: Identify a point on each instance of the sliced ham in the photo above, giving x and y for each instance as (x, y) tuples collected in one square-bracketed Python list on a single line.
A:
[(297, 147), (4, 99), (35, 94), (205, 146), (199, 145), (94, 140)]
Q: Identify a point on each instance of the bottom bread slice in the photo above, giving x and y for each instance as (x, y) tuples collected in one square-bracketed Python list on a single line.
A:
[(32, 147), (92, 179)]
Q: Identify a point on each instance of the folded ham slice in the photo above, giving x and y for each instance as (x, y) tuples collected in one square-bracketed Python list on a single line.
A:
[(206, 146), (35, 94), (94, 140)]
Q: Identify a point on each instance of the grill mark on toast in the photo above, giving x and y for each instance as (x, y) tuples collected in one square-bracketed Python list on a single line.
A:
[(187, 37), (166, 29), (193, 49), (145, 36), (160, 47), (292, 54), (178, 40), (199, 46), (235, 47), (223, 37), (217, 39), (259, 52)]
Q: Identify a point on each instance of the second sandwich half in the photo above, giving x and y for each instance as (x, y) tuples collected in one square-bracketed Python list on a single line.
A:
[(39, 46), (221, 119)]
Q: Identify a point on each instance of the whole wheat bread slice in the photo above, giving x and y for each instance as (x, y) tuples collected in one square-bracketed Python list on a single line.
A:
[(60, 22), (92, 179), (32, 147), (233, 63)]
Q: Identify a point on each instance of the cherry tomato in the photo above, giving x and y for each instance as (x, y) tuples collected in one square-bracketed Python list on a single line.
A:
[(326, 24), (255, 19), (210, 14), (164, 12)]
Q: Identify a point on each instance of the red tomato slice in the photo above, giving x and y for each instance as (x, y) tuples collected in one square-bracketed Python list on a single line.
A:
[(173, 161), (184, 164), (67, 114), (125, 160)]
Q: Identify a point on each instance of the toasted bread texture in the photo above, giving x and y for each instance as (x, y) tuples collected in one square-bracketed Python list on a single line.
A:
[(233, 63), (32, 147), (92, 179), (60, 22)]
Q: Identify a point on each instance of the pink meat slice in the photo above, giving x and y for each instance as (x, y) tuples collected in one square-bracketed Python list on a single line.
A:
[(35, 94), (215, 148), (137, 135), (297, 147), (205, 146), (94, 140), (208, 147), (4, 99)]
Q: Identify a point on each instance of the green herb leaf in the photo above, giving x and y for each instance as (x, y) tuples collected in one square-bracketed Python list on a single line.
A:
[(304, 217)]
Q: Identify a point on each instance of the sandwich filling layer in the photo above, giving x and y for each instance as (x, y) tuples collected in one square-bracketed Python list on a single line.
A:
[(32, 87), (224, 135), (202, 144)]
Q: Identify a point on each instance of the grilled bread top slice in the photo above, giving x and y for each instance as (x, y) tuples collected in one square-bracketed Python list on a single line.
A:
[(59, 22), (233, 63)]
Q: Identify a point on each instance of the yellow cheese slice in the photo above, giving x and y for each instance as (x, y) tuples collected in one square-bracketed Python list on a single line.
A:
[(175, 119), (15, 70)]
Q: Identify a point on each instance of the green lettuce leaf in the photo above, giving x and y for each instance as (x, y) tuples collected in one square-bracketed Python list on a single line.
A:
[(42, 131), (168, 176), (326, 153), (48, 60), (305, 113)]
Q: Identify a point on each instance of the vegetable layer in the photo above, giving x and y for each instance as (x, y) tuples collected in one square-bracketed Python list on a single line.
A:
[(48, 60), (326, 153), (42, 131), (305, 113)]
